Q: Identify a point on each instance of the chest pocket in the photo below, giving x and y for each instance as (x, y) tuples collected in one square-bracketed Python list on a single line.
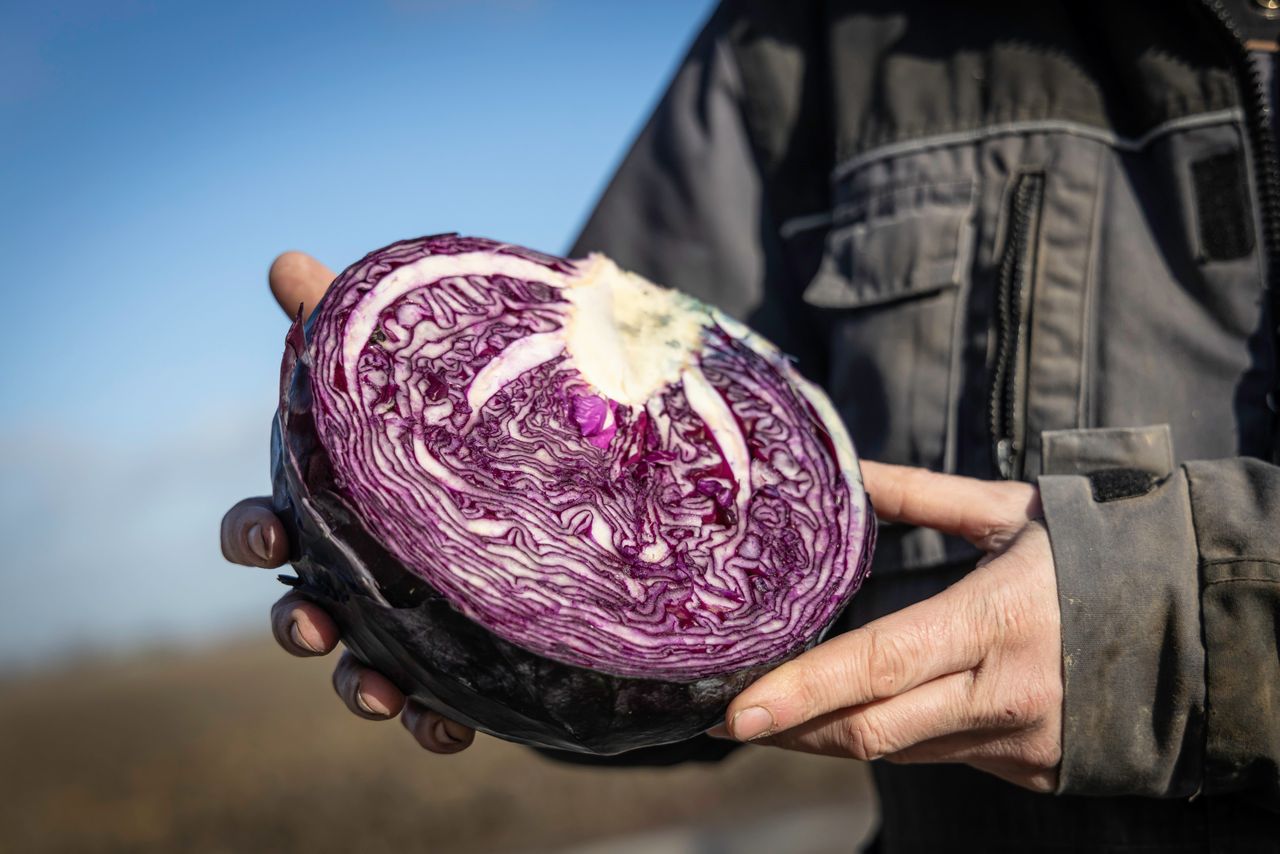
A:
[(892, 281)]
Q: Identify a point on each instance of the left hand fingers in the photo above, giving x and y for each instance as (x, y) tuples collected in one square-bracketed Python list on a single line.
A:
[(942, 635), (872, 731), (997, 627), (951, 719)]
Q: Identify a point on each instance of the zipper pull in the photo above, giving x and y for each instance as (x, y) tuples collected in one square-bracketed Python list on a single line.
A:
[(1004, 458)]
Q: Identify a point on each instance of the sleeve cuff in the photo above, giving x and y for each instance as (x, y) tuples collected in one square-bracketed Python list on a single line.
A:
[(1133, 661)]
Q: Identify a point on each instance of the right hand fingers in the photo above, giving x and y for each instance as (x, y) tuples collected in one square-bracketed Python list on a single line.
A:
[(251, 533), (366, 692), (298, 279), (253, 536), (370, 695), (303, 628), (300, 627), (434, 731)]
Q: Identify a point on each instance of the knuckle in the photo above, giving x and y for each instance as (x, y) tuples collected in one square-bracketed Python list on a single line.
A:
[(1017, 616), (865, 738), (994, 537), (981, 613), (1040, 697), (974, 687), (1012, 507), (1029, 703), (889, 658), (1022, 503)]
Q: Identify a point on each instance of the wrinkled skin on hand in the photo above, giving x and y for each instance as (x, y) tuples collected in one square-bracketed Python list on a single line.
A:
[(972, 675)]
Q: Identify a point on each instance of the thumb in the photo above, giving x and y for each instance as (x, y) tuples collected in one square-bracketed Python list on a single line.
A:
[(984, 512), (298, 279)]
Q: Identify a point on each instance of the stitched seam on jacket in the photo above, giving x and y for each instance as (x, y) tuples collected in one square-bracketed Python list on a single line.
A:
[(807, 222), (1122, 143), (1228, 570), (1226, 560)]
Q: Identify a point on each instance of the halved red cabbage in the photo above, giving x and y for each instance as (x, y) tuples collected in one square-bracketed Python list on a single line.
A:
[(557, 501)]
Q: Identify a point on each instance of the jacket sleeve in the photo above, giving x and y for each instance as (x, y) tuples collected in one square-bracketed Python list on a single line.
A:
[(1170, 596), (686, 209)]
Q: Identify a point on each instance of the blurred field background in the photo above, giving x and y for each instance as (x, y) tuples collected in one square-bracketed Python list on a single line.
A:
[(242, 748), (154, 158)]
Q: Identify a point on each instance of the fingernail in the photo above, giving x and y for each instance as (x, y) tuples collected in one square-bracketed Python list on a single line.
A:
[(257, 539), (412, 715), (369, 705), (458, 732), (295, 634), (751, 723), (719, 731), (442, 734)]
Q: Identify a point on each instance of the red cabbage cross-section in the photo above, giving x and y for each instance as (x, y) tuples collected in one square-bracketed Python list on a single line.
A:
[(597, 470)]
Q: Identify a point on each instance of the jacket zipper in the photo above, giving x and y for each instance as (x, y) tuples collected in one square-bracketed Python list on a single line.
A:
[(1267, 171), (1013, 314)]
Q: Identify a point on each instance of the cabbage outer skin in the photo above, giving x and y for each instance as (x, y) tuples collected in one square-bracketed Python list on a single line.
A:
[(556, 502)]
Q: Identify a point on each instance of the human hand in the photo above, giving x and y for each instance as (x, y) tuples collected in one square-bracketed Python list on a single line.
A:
[(972, 675), (252, 535)]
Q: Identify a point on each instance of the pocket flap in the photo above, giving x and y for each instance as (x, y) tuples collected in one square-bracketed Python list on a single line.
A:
[(895, 242)]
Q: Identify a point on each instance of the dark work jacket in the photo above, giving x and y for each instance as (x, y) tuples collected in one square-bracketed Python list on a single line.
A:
[(1018, 240)]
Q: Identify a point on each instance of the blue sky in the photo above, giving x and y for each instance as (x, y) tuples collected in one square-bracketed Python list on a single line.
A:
[(154, 158)]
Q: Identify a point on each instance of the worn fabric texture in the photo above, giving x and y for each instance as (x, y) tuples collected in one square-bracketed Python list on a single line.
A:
[(1012, 239)]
